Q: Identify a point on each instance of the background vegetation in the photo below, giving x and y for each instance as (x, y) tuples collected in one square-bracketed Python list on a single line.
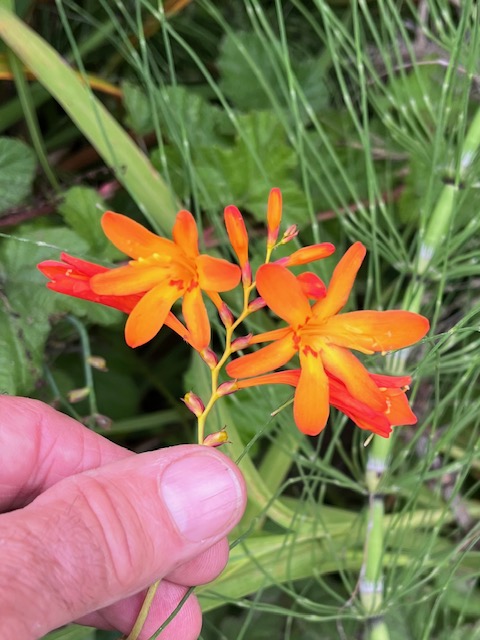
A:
[(367, 116)]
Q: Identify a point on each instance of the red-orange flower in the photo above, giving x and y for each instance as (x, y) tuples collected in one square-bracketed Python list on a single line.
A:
[(398, 411), (163, 271), (323, 340), (72, 277)]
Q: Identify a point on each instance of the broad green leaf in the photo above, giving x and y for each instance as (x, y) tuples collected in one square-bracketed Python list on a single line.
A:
[(17, 170), (259, 160), (183, 115), (243, 173), (139, 113), (82, 209), (255, 76), (27, 305), (130, 165)]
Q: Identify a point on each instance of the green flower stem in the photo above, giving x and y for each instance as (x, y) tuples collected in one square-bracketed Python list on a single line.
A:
[(89, 384)]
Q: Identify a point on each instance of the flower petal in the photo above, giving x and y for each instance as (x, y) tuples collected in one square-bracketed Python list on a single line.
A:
[(348, 369), (175, 325), (341, 283), (128, 279), (185, 233), (268, 336), (311, 404), (289, 377), (216, 274), (370, 331), (312, 285), (134, 239), (283, 294), (237, 233), (196, 318), (149, 315), (266, 359)]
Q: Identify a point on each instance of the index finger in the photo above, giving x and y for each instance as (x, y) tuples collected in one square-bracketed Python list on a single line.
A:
[(40, 446)]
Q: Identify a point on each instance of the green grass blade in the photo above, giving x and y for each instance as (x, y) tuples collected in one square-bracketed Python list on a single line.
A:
[(131, 167)]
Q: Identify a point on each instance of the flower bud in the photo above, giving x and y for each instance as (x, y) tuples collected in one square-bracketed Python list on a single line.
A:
[(308, 254), (237, 233), (77, 395), (216, 439), (247, 274), (274, 216), (256, 304), (194, 403), (226, 388), (226, 315), (209, 357), (289, 234), (97, 362), (242, 342)]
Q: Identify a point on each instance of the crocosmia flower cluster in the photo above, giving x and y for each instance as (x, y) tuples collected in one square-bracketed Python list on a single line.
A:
[(313, 348)]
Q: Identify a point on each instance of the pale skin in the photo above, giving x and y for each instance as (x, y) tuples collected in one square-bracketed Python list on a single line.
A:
[(87, 526)]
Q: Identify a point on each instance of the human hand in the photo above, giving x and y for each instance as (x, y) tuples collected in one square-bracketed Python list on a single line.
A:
[(90, 526)]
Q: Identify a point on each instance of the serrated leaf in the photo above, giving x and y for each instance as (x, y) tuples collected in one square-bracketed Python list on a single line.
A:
[(27, 304), (255, 76), (183, 115), (82, 209), (138, 108), (17, 170), (245, 172)]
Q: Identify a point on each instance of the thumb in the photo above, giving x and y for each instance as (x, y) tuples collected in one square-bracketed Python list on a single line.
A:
[(107, 533)]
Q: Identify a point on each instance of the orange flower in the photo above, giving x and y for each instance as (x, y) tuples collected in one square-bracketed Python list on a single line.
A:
[(72, 277), (163, 271), (398, 411), (323, 340)]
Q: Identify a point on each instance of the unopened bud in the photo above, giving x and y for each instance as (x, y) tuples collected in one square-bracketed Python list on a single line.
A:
[(97, 362), (216, 439), (102, 422), (76, 395), (257, 304), (242, 342), (226, 388), (289, 234), (194, 403), (226, 315), (209, 357), (247, 274), (274, 215)]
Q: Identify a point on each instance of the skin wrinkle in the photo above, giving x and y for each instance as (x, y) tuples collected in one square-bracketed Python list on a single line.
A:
[(23, 421), (108, 526)]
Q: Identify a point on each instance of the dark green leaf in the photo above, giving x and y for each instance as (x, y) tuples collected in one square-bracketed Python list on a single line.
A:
[(17, 170)]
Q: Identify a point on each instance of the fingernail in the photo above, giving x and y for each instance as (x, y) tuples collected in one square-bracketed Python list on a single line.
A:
[(203, 495)]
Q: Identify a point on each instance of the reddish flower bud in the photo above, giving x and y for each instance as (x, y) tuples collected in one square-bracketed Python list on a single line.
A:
[(194, 403), (242, 342), (226, 388), (216, 439), (256, 304), (226, 315), (209, 357), (289, 234), (247, 274)]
